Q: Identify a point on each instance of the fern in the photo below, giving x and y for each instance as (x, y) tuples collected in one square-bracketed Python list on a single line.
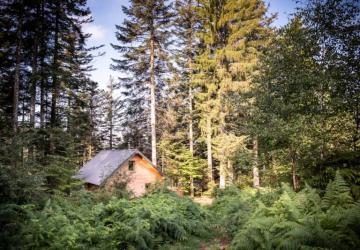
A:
[(144, 223), (337, 193), (302, 220)]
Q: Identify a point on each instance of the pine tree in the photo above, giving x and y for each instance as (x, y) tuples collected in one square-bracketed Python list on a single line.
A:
[(144, 37), (180, 121), (49, 99), (205, 79), (111, 107), (234, 33)]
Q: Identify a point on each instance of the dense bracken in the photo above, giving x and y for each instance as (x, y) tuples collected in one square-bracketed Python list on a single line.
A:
[(284, 219), (250, 218), (83, 222)]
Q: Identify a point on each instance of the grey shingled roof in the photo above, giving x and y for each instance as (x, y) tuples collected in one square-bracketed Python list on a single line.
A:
[(98, 169)]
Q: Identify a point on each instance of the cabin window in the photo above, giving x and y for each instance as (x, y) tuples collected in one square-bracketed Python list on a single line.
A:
[(131, 165)]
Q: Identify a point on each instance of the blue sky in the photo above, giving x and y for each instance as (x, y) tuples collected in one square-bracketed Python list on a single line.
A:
[(107, 13)]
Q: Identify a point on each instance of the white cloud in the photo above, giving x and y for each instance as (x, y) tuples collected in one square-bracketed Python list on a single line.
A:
[(97, 31)]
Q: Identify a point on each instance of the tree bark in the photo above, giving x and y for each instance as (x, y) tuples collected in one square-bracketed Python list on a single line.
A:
[(15, 122), (209, 150), (191, 131), (55, 68), (33, 89), (256, 179), (191, 139), (55, 85), (111, 104), (152, 102), (42, 66), (222, 174), (293, 170), (42, 102), (34, 78), (190, 60), (231, 171)]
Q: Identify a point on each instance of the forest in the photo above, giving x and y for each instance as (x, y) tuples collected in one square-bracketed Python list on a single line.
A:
[(264, 120)]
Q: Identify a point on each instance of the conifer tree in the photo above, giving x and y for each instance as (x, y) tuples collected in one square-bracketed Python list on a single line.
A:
[(186, 43), (248, 31), (234, 34), (206, 79), (111, 106), (181, 123), (144, 37), (49, 95)]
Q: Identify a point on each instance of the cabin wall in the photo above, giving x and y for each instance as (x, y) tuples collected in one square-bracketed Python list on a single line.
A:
[(137, 179)]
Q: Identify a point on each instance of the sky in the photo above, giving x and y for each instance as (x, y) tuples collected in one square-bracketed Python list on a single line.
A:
[(108, 13)]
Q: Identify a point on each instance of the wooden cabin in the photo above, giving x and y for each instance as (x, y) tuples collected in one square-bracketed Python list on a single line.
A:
[(110, 168)]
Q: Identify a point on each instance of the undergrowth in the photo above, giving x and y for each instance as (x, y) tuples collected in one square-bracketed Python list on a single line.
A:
[(247, 218), (284, 219), (81, 222)]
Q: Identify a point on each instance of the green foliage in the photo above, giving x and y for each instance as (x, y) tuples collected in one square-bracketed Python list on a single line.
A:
[(234, 206), (181, 165), (80, 222), (337, 193), (284, 219)]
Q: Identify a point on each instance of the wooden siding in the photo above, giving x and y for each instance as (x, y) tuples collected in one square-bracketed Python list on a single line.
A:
[(136, 180)]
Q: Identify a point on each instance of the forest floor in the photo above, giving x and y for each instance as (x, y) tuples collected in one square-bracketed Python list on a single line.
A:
[(215, 240)]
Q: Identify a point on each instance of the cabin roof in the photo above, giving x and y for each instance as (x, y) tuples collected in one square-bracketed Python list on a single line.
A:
[(104, 164)]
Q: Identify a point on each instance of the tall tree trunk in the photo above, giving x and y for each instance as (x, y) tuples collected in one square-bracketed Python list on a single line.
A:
[(191, 139), (34, 79), (111, 117), (152, 101), (42, 102), (209, 151), (222, 174), (110, 114), (55, 69), (190, 61), (293, 170), (111, 127), (69, 106), (191, 131), (15, 123), (55, 85), (231, 171), (33, 88), (256, 179), (42, 66)]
